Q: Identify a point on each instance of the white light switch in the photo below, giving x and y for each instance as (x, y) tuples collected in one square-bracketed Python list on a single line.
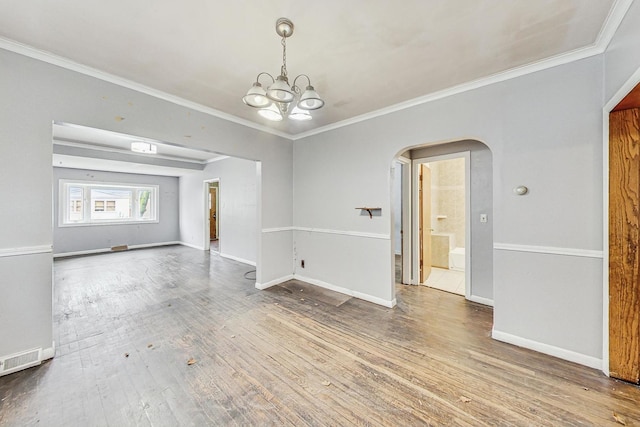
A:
[(483, 217)]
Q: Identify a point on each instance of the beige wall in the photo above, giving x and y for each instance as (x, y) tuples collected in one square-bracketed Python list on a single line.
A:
[(447, 198)]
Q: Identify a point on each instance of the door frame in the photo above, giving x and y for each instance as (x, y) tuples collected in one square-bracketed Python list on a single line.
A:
[(207, 226), (405, 220), (415, 215), (624, 90)]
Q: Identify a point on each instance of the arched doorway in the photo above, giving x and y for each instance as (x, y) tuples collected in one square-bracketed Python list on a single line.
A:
[(478, 243)]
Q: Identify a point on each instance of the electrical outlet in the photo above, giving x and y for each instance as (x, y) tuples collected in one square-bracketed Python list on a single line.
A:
[(302, 263)]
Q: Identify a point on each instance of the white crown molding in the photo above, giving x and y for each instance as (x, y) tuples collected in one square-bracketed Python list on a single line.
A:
[(60, 61), (74, 144), (607, 31), (612, 22), (549, 250)]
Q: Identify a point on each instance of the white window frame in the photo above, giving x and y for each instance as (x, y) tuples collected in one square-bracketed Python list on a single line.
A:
[(64, 203)]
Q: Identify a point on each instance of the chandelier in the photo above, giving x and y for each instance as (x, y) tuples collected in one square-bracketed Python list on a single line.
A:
[(281, 100)]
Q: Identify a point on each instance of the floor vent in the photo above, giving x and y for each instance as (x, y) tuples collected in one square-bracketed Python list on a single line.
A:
[(17, 362), (119, 248)]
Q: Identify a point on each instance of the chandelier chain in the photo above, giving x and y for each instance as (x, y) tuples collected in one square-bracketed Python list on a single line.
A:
[(283, 69)]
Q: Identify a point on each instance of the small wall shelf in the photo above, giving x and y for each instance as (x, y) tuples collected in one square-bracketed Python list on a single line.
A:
[(371, 211)]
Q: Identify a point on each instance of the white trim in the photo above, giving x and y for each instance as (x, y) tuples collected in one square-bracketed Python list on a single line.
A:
[(571, 356), (74, 144), (217, 159), (554, 61), (345, 233), (51, 58), (235, 258), (27, 250), (610, 105), (190, 245), (49, 352), (277, 229), (609, 27), (480, 300), (612, 22), (207, 221), (274, 282), (106, 250), (352, 293), (551, 250), (466, 155)]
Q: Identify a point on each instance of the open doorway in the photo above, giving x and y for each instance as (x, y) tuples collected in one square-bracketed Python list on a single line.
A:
[(212, 215), (441, 217), (475, 262)]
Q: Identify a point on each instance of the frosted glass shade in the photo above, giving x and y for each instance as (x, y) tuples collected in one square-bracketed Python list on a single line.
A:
[(299, 115), (271, 113), (310, 100), (280, 91), (256, 97)]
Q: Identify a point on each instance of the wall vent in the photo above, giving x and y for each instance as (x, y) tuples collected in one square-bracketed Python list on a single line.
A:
[(17, 362)]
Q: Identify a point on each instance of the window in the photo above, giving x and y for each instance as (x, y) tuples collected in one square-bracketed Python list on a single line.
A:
[(87, 203)]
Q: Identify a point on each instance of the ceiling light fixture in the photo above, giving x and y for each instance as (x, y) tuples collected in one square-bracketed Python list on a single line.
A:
[(143, 147), (275, 102)]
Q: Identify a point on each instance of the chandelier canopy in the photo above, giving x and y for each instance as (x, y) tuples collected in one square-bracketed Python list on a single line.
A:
[(281, 100)]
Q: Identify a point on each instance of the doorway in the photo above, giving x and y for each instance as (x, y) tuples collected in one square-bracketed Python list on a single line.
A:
[(212, 215), (441, 222), (624, 239)]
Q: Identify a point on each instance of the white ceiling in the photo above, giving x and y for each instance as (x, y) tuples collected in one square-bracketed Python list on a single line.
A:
[(361, 55), (98, 140)]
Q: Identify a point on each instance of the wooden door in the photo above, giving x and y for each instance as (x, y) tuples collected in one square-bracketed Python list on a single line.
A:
[(213, 214), (424, 189), (624, 245)]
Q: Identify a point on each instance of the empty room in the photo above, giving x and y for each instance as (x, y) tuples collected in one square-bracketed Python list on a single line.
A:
[(206, 219)]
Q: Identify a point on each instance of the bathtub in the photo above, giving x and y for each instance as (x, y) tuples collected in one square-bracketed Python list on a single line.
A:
[(456, 259)]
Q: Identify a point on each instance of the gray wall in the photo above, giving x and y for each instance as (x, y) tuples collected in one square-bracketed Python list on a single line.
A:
[(481, 234), (237, 215), (33, 94), (397, 206), (544, 131), (87, 238)]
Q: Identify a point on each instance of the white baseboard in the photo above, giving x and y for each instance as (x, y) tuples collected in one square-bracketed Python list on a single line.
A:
[(274, 282), (50, 352), (29, 250), (356, 294), (235, 258), (561, 353), (105, 250), (481, 300), (189, 245)]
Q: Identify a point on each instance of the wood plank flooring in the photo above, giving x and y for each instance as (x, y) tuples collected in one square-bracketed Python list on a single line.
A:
[(290, 355)]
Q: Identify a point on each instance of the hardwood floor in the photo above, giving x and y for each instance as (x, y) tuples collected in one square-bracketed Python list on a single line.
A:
[(127, 324)]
